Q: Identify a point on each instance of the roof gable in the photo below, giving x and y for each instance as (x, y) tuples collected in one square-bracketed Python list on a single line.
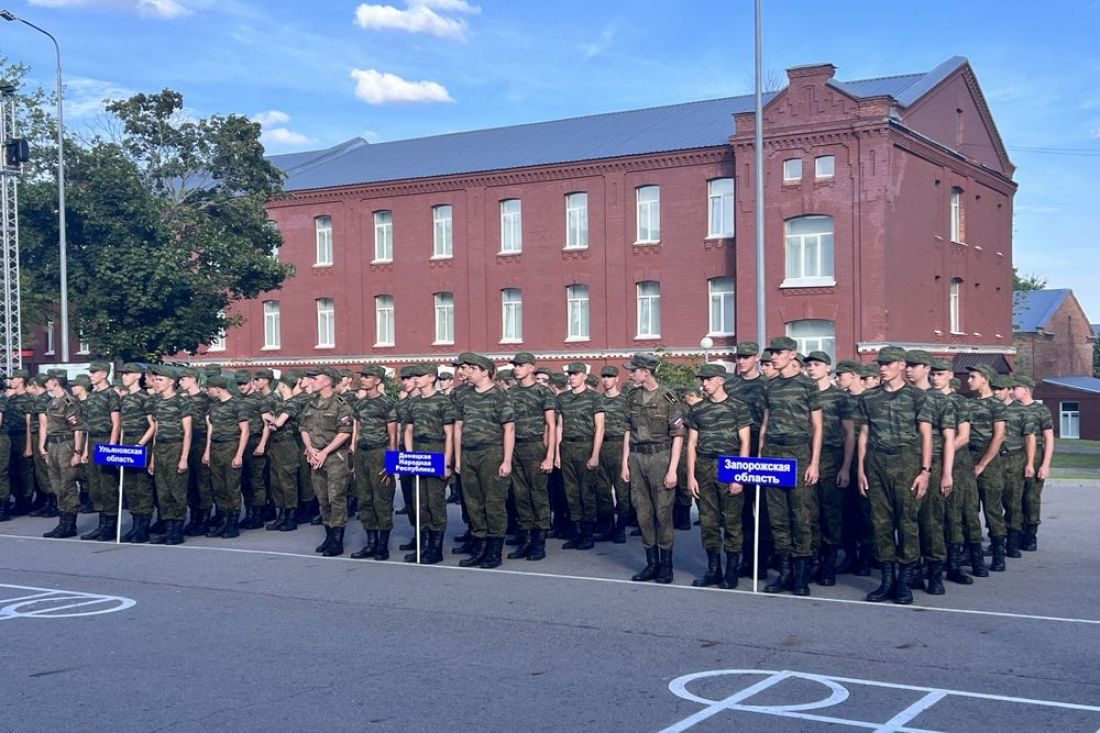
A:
[(1081, 384), (1033, 309)]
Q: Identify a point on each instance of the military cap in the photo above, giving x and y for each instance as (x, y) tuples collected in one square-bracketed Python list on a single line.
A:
[(848, 366), (163, 370), (1001, 381), (942, 365), (819, 356), (57, 374), (477, 360), (766, 357), (869, 370), (706, 371), (345, 374), (523, 357), (242, 376), (373, 370), (799, 357), (425, 370), (217, 380), (40, 380), (576, 367), (985, 370), (506, 373), (591, 380), (644, 361), (463, 358), (212, 370), (918, 356), (890, 354), (747, 348), (187, 371), (82, 380), (289, 378), (782, 343), (955, 383), (558, 379), (445, 375), (292, 374), (264, 373), (406, 371), (1023, 380), (100, 366), (544, 370), (20, 373), (609, 371)]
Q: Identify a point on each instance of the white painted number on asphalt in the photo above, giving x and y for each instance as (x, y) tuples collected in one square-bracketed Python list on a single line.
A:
[(24, 601)]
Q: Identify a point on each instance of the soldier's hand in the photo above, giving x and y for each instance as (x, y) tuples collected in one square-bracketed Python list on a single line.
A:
[(843, 478), (920, 485), (592, 464), (945, 486), (505, 469), (206, 459), (811, 473), (182, 466), (625, 474), (28, 454), (671, 480), (448, 471), (237, 462), (979, 469), (259, 451), (75, 460), (1029, 471), (862, 479), (84, 458), (736, 489), (1044, 473), (693, 487), (547, 465)]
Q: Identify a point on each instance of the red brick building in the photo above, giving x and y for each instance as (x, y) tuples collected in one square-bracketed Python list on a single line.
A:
[(1052, 333), (888, 209)]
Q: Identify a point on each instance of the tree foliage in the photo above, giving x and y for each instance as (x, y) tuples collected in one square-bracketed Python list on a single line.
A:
[(1027, 282)]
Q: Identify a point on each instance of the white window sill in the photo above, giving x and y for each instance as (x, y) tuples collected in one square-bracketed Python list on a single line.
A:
[(808, 282), (721, 334), (791, 181), (382, 262), (383, 346), (824, 178), (577, 339), (958, 333), (48, 353), (83, 353), (209, 350), (960, 244), (325, 346), (510, 341), (436, 258), (574, 248), (510, 253), (322, 264), (647, 337), (647, 243), (718, 237), (270, 348), (443, 343)]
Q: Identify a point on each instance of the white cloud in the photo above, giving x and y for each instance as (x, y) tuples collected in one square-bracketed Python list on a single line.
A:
[(162, 8), (378, 87), (156, 8), (271, 117), (591, 50), (418, 17), (1096, 133), (275, 131), (85, 97)]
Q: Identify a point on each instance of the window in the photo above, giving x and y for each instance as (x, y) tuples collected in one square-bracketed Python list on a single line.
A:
[(792, 170), (273, 228), (649, 214), (82, 345), (809, 251), (577, 302), (444, 318), (720, 199), (323, 227), (511, 307), (649, 309), (576, 221), (721, 306), (218, 342), (50, 346), (511, 227), (272, 337), (956, 306), (824, 166), (326, 323), (1070, 423), (956, 214), (383, 320), (383, 236), (442, 242), (814, 336)]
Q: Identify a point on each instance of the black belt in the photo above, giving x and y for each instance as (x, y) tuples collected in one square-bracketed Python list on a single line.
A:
[(223, 440), (368, 446), (169, 441), (788, 439), (612, 438), (532, 439), (589, 439), (1011, 452), (649, 449), (895, 450), (59, 438), (707, 456), (480, 446)]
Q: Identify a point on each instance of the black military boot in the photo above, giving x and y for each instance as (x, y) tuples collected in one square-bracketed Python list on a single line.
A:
[(848, 564), (733, 571), (1012, 544), (230, 530), (382, 549), (411, 544), (328, 540), (62, 528), (200, 523), (649, 572), (681, 517), (160, 537), (245, 522), (5, 510), (97, 533), (587, 539), (916, 575), (800, 576), (50, 510), (664, 566), (141, 529), (997, 564), (524, 549), (903, 589), (129, 534), (977, 561), (280, 520), (783, 581), (336, 546), (935, 578), (369, 548), (477, 554), (86, 506), (258, 512), (175, 532), (620, 531), (886, 588), (518, 539), (37, 504), (826, 569), (863, 562), (494, 546), (290, 521), (157, 527), (1029, 542), (578, 535), (713, 576), (21, 506), (954, 566), (610, 533), (216, 526), (537, 550), (433, 553)]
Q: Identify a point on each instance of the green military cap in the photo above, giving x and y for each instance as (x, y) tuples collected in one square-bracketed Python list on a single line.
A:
[(955, 383), (346, 374), (1023, 380), (558, 379), (187, 371), (523, 357), (782, 343), (212, 369), (373, 370), (20, 373), (477, 360), (918, 356), (406, 371), (217, 380), (242, 376), (577, 367), (506, 374), (869, 370), (544, 370), (264, 373), (766, 357), (82, 380), (100, 366), (890, 354), (289, 378), (819, 356), (609, 371), (940, 364), (423, 370), (57, 374), (292, 374), (848, 366), (163, 370), (592, 381), (985, 370), (1001, 381), (445, 375), (40, 380), (463, 358), (747, 348), (643, 361), (706, 371), (798, 356)]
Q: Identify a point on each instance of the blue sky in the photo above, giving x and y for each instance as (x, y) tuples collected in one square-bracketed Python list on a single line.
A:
[(317, 73)]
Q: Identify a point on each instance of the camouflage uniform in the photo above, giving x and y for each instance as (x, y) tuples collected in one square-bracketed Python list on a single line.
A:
[(225, 418), (791, 402), (962, 523), (578, 431), (98, 408), (169, 414), (1019, 424), (984, 413), (482, 417), (64, 418), (751, 393), (283, 450), (324, 419), (529, 483), (41, 472), (718, 425), (5, 463), (609, 475), (939, 412), (654, 419), (254, 477), (136, 408), (835, 413), (375, 416), (15, 425), (1033, 487), (429, 417), (200, 490)]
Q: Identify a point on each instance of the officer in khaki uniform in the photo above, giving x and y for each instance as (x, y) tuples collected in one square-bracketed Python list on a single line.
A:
[(61, 444), (651, 453), (226, 441), (103, 419), (171, 451), (326, 428)]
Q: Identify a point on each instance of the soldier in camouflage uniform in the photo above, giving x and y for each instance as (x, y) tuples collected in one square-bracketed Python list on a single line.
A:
[(895, 462), (171, 452), (535, 409), (1044, 454), (719, 425), (792, 428), (748, 387), (579, 444), (375, 433), (961, 522), (408, 391), (136, 409), (326, 426), (260, 404), (430, 428), (651, 453), (609, 474), (17, 426), (1018, 461), (681, 510), (768, 370), (987, 434), (858, 547), (284, 447), (560, 527), (46, 499), (226, 442), (61, 443), (103, 419), (200, 492)]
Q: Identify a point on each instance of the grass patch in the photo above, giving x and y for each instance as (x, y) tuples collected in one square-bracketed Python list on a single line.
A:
[(1070, 443), (1076, 460)]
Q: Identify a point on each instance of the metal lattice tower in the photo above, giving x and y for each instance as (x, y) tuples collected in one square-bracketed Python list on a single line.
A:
[(11, 327)]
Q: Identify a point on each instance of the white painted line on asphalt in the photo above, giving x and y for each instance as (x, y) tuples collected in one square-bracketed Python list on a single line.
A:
[(615, 581), (42, 604)]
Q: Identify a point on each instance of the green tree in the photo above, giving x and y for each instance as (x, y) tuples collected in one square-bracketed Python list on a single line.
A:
[(679, 375), (1027, 282)]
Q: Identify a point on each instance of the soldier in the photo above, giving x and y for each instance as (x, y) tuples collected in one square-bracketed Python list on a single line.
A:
[(748, 387), (408, 390), (560, 527), (136, 409), (375, 433), (681, 510), (1017, 461), (45, 503), (609, 474), (767, 369), (792, 428), (542, 376), (870, 376), (226, 442), (1044, 454), (484, 437), (284, 447), (61, 443), (535, 408), (259, 403), (171, 451), (838, 445), (651, 453), (326, 427), (17, 425), (103, 419), (895, 462), (430, 428), (987, 434), (5, 463), (200, 492), (857, 509), (579, 443), (717, 426)]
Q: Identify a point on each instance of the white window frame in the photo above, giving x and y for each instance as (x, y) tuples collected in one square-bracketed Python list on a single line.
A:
[(218, 343), (444, 318), (51, 346), (326, 323), (82, 346), (718, 303), (322, 226), (648, 317), (720, 216), (955, 305), (814, 341), (576, 220), (385, 320), (578, 313), (820, 162), (272, 224), (383, 236), (511, 227), (442, 232), (956, 211), (808, 251), (511, 316), (272, 325), (648, 205), (792, 170), (1070, 419)]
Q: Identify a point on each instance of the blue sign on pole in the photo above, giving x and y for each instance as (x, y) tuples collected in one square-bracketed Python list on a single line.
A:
[(781, 472), (414, 463), (125, 456)]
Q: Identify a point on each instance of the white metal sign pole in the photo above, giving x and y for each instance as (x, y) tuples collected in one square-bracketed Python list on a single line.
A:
[(756, 540), (118, 519), (418, 518)]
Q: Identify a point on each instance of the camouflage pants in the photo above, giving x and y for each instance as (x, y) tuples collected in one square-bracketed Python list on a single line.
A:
[(580, 481), (792, 512), (683, 494), (282, 461), (1013, 496), (609, 478), (857, 512), (485, 492), (171, 484), (62, 475), (22, 469), (719, 511), (930, 518), (374, 490), (200, 490), (255, 474), (224, 479), (652, 501), (41, 472), (1033, 492), (529, 486), (894, 506), (102, 480), (991, 492), (330, 484), (962, 522), (830, 498), (305, 488), (5, 467)]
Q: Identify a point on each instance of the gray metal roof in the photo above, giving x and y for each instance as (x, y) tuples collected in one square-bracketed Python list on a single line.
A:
[(1033, 309), (1082, 384), (683, 126)]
